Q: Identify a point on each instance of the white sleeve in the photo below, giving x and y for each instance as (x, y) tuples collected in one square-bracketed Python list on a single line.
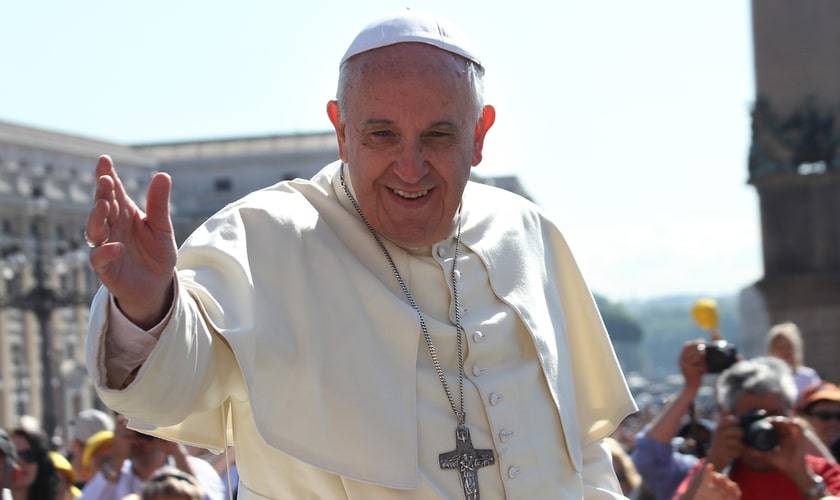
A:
[(599, 481), (208, 478), (99, 488), (188, 351)]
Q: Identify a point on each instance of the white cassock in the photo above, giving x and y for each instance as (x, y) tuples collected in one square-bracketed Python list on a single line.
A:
[(288, 321)]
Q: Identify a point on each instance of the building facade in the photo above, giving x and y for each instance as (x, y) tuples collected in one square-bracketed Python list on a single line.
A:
[(46, 184)]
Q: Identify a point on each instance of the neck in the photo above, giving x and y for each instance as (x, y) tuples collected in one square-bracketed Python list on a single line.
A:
[(20, 493)]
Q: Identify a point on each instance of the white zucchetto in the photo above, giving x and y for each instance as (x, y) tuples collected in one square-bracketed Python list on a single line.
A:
[(411, 26)]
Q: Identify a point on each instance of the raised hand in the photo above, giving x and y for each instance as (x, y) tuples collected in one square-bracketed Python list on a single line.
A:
[(133, 252), (711, 485), (726, 443), (789, 456), (692, 364)]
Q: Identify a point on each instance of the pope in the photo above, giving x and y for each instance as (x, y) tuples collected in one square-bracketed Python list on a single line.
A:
[(385, 330)]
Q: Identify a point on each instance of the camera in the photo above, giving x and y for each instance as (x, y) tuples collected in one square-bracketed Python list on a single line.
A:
[(759, 432), (720, 355)]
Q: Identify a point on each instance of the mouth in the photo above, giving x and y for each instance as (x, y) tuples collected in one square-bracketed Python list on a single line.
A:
[(410, 195)]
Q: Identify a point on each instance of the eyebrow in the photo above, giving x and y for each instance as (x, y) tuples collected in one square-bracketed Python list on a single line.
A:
[(376, 122), (382, 121)]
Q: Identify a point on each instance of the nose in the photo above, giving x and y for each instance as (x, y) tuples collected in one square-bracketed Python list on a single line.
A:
[(411, 164)]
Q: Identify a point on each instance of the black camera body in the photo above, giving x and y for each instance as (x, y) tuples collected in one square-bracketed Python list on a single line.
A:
[(720, 355), (759, 432)]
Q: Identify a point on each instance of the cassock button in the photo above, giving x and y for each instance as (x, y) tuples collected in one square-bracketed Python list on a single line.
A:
[(477, 370), (478, 336), (495, 398), (505, 435), (441, 251), (513, 471)]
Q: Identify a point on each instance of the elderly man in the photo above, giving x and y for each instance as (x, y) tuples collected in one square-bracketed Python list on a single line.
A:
[(385, 330), (758, 444)]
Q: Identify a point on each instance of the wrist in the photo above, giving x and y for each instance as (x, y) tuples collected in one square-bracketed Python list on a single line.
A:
[(718, 462), (810, 485), (690, 390), (149, 313)]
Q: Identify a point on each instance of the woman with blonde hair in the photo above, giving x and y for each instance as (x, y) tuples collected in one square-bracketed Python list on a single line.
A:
[(784, 341)]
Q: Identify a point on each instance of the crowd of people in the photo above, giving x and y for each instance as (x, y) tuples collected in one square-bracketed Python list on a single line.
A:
[(774, 432), (105, 460)]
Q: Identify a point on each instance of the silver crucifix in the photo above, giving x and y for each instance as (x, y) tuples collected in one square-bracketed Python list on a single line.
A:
[(467, 460)]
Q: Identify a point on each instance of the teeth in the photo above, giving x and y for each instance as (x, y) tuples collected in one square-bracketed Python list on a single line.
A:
[(411, 196)]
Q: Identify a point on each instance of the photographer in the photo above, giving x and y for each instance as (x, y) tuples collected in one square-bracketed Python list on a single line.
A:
[(757, 442), (662, 467)]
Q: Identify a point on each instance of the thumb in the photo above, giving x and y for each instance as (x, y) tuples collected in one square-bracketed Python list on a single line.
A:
[(157, 202)]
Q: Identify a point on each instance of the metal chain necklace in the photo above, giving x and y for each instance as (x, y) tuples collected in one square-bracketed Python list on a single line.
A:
[(464, 457)]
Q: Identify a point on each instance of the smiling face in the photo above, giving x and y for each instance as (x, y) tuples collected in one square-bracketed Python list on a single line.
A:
[(410, 133)]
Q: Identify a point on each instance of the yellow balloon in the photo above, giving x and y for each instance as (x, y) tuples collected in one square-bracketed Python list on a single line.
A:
[(705, 314)]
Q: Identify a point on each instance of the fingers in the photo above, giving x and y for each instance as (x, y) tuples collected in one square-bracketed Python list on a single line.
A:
[(96, 229), (721, 486), (157, 203), (121, 203)]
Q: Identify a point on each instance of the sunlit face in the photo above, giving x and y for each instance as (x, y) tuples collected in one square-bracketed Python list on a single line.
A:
[(781, 348), (410, 136), (773, 404), (824, 417), (26, 463)]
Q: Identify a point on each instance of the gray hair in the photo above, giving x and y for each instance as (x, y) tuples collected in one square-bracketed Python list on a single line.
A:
[(474, 72), (764, 375)]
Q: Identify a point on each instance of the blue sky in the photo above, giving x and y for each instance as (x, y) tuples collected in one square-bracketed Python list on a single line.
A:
[(627, 121)]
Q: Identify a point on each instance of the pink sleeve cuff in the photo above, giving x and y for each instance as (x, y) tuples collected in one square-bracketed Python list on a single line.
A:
[(126, 345)]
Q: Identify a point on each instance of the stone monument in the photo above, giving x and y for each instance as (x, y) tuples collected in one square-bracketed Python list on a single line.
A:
[(794, 164)]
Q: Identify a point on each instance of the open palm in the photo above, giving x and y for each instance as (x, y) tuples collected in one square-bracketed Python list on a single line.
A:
[(135, 253)]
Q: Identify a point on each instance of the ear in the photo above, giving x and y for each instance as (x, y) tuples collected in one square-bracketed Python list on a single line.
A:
[(485, 121), (334, 112)]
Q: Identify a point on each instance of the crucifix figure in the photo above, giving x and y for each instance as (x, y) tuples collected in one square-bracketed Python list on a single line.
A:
[(467, 460)]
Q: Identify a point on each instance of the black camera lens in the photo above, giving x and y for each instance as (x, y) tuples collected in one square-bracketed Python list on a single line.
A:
[(759, 432)]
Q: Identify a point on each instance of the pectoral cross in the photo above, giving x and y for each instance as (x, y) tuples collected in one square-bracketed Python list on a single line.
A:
[(467, 460)]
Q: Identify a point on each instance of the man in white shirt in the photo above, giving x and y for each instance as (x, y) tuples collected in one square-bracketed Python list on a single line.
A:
[(135, 458), (387, 330)]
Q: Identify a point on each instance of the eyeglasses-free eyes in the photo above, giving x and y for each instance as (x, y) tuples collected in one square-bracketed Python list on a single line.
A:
[(825, 416)]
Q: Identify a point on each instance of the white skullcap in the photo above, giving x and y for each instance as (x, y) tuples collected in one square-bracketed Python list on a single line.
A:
[(411, 26)]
